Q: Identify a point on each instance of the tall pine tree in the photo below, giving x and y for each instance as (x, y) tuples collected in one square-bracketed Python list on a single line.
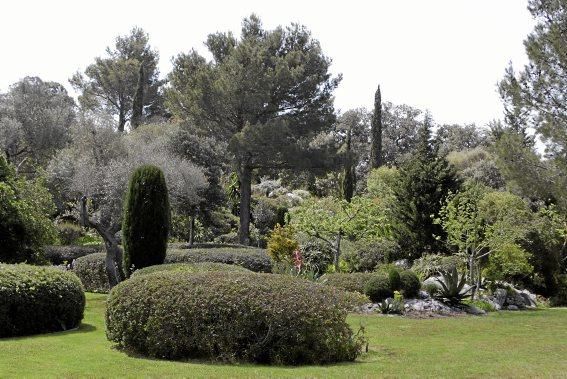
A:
[(376, 132), (425, 181)]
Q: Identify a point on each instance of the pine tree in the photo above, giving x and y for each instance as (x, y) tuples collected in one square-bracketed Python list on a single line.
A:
[(146, 219), (138, 102), (425, 181), (376, 132)]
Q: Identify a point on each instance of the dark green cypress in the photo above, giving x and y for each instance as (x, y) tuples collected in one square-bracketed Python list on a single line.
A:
[(348, 177), (376, 132), (146, 218), (138, 102), (425, 181)]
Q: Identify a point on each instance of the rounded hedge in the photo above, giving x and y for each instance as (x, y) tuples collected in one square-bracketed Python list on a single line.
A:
[(36, 299), (409, 284), (91, 270), (378, 288), (231, 316), (189, 268), (253, 259), (394, 278), (352, 282), (61, 254)]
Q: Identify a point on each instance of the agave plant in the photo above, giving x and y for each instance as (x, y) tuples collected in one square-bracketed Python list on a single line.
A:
[(392, 306), (452, 289)]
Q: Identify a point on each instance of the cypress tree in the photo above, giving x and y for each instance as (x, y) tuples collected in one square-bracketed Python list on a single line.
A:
[(425, 181), (138, 101), (376, 132), (146, 218), (348, 178)]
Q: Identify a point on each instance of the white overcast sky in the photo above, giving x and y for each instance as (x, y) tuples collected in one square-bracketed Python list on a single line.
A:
[(441, 55)]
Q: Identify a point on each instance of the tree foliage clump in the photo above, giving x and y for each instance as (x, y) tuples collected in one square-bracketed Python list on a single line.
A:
[(146, 219), (25, 210), (425, 180), (266, 95)]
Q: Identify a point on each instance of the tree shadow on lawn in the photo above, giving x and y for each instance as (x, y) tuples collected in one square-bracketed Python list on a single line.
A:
[(83, 328)]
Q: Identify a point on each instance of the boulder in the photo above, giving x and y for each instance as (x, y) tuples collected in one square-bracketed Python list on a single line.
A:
[(499, 297), (403, 264), (432, 280), (512, 308)]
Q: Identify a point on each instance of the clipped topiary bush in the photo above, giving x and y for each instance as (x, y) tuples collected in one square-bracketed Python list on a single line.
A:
[(36, 299), (394, 278), (91, 270), (409, 284), (253, 259), (231, 316), (378, 288), (190, 268), (352, 282), (146, 219), (61, 254)]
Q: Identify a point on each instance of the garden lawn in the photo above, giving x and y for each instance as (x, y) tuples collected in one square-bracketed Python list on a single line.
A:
[(506, 344)]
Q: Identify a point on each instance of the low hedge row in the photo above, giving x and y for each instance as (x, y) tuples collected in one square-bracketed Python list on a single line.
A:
[(376, 285), (91, 270), (251, 258), (189, 268), (38, 299), (231, 316), (60, 254)]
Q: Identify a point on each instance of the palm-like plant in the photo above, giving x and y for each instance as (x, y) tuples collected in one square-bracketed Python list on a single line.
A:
[(452, 289)]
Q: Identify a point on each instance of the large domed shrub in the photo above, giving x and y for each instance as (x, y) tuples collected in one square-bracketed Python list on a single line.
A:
[(91, 270), (378, 288), (410, 284), (146, 219), (253, 259), (231, 316), (189, 268), (35, 299)]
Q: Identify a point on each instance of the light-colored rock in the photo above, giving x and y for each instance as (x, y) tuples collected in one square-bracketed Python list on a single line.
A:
[(512, 308), (499, 297), (423, 295), (402, 263), (432, 281), (471, 309)]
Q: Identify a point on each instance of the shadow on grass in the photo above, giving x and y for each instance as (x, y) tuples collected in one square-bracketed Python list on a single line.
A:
[(83, 328), (239, 364)]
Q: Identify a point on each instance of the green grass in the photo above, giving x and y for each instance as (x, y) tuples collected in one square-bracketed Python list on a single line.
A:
[(506, 344)]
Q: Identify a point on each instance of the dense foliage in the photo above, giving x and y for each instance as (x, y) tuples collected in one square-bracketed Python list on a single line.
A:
[(189, 268), (25, 208), (273, 319), (253, 259), (66, 254), (91, 270), (146, 219), (38, 300)]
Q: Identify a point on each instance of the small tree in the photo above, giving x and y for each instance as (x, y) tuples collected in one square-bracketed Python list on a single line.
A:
[(146, 219)]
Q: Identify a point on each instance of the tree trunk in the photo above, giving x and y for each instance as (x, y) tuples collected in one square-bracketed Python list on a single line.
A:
[(113, 260), (121, 121), (245, 176), (337, 249), (192, 230)]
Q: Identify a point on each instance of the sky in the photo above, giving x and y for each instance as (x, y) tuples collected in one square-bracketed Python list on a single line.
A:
[(446, 56)]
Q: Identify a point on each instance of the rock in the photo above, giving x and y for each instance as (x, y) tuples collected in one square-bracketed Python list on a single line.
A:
[(403, 264), (423, 295), (429, 306), (500, 297), (471, 309), (512, 308), (529, 298)]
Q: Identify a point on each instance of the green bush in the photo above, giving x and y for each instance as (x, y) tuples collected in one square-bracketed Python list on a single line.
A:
[(231, 316), (253, 259), (189, 268), (394, 278), (378, 288), (35, 299), (432, 264), (68, 232), (146, 219), (560, 297), (409, 284), (60, 254), (363, 256), (25, 208), (352, 282), (91, 270)]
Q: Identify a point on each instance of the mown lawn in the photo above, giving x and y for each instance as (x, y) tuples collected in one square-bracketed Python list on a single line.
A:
[(506, 344)]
